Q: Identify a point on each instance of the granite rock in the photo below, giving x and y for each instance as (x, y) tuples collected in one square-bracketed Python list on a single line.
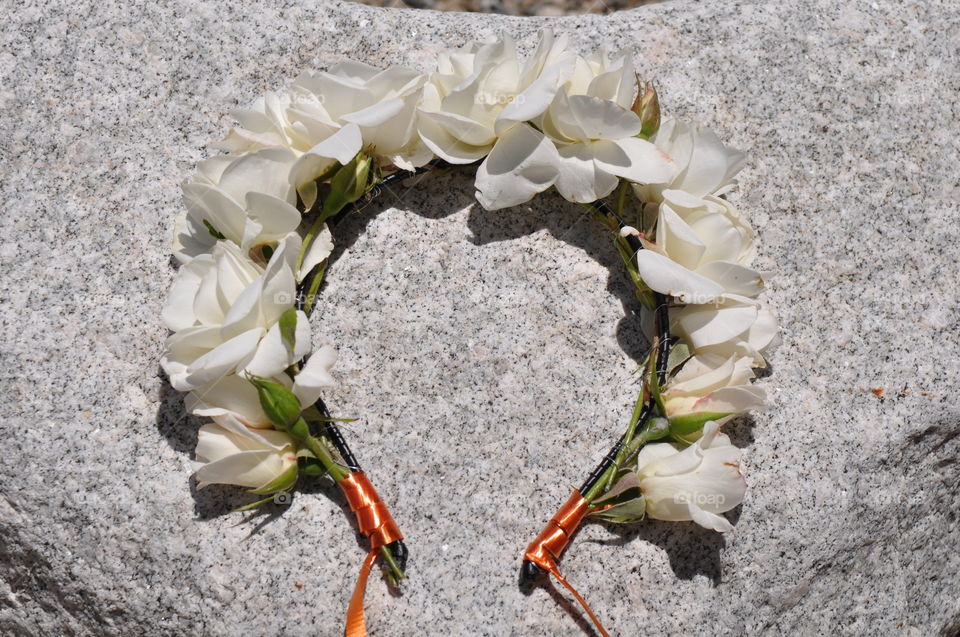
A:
[(515, 7), (489, 357)]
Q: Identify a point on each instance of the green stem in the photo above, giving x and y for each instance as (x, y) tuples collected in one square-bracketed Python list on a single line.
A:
[(394, 572), (340, 473), (606, 479), (627, 440), (645, 295), (622, 197), (337, 471)]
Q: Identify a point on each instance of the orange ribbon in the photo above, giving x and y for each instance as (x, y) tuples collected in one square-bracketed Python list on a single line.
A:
[(376, 523), (547, 547)]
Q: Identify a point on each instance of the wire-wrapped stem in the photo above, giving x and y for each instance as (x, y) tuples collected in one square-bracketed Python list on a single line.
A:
[(605, 471), (395, 554)]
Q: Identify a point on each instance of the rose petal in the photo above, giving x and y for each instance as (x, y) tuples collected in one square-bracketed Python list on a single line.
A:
[(521, 164)]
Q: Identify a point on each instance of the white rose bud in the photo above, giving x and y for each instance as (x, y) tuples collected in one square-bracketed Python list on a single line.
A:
[(230, 453), (710, 387), (697, 483), (706, 166), (701, 248)]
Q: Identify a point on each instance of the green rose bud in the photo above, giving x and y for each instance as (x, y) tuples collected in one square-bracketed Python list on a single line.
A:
[(279, 403), (347, 185), (647, 108)]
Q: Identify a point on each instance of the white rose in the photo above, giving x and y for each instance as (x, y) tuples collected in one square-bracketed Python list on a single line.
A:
[(470, 88), (712, 384), (731, 326), (590, 132), (478, 104), (235, 397), (291, 118), (247, 200), (706, 166), (598, 76), (381, 102), (696, 483), (701, 247), (224, 310), (480, 90), (596, 142), (329, 116), (230, 453)]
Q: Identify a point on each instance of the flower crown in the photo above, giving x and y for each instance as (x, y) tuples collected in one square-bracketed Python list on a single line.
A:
[(255, 238)]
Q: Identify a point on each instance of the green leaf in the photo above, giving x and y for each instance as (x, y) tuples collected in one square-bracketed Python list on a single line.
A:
[(691, 423), (253, 505), (283, 482), (624, 501), (288, 328), (216, 234), (630, 511), (279, 403)]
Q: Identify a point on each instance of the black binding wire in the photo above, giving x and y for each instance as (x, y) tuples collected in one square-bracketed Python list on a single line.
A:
[(333, 433), (335, 436), (662, 320)]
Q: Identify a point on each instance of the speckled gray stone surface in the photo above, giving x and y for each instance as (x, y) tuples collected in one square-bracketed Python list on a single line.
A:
[(489, 356)]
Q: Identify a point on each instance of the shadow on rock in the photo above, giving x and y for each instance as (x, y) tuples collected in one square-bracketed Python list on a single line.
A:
[(447, 191), (691, 549), (419, 194), (740, 430), (574, 225), (173, 422)]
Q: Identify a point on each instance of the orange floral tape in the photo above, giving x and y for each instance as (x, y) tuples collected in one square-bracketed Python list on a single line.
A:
[(547, 547), (376, 523)]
